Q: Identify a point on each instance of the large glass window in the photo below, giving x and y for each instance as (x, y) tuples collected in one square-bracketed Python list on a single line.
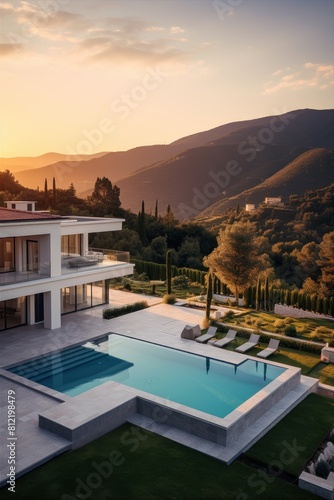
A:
[(7, 255), (84, 296), (71, 244), (13, 313)]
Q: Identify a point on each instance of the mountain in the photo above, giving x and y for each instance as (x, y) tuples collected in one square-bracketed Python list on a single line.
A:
[(200, 170), (241, 159), (33, 162), (313, 169)]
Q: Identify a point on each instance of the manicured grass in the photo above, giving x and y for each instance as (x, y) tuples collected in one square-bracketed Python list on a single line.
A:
[(132, 464), (301, 430), (268, 321), (324, 372)]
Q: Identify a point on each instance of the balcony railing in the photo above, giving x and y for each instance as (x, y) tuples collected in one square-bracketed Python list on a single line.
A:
[(94, 258), (13, 277)]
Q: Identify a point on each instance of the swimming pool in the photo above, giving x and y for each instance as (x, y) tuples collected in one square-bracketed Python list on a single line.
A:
[(199, 382)]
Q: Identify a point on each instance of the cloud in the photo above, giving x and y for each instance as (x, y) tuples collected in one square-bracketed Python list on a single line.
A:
[(132, 40), (7, 49), (310, 75)]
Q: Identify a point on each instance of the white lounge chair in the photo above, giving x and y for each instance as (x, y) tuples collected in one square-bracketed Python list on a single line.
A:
[(272, 347), (252, 342), (230, 336), (208, 335)]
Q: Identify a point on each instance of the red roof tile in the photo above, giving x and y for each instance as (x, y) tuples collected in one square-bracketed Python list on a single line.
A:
[(13, 215)]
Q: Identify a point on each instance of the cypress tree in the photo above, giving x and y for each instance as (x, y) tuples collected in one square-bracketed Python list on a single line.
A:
[(320, 301), (54, 193), (208, 297), (266, 295), (331, 307), (314, 303), (258, 295), (325, 306), (308, 304), (156, 210), (169, 271), (46, 193)]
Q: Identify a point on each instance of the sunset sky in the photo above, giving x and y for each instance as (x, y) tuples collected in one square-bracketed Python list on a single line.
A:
[(82, 76)]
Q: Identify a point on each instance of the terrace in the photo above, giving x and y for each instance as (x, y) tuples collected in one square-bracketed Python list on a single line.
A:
[(70, 263)]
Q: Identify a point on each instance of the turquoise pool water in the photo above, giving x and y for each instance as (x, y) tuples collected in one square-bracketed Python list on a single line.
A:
[(200, 382)]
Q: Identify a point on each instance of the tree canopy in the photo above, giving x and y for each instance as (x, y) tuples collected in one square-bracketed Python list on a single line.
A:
[(237, 260)]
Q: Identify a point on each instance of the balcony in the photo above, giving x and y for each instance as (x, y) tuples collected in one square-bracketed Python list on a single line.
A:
[(13, 277), (70, 263), (95, 258)]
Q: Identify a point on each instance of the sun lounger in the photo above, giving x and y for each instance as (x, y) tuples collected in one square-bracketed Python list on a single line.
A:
[(230, 336), (272, 347), (208, 335), (253, 341)]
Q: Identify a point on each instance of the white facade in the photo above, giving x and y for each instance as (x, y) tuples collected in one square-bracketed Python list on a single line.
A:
[(250, 207), (21, 205), (46, 268), (273, 201)]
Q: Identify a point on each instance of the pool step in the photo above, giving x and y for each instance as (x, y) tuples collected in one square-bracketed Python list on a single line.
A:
[(38, 370)]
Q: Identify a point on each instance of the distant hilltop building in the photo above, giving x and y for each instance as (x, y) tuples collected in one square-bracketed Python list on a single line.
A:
[(250, 207), (29, 206), (273, 201)]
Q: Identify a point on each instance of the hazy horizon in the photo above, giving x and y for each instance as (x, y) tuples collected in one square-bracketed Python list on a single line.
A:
[(92, 76)]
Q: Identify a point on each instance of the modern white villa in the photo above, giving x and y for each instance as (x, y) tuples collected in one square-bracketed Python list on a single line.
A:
[(47, 268)]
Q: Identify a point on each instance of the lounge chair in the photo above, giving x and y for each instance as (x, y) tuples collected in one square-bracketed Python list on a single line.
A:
[(208, 335), (272, 347), (230, 336), (252, 342)]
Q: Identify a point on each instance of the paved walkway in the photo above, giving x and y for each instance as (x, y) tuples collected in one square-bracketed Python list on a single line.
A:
[(160, 323)]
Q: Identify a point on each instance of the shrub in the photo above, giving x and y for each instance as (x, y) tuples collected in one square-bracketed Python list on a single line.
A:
[(114, 313), (229, 315), (288, 321), (290, 331), (322, 469), (169, 298), (323, 330), (126, 284), (181, 281), (279, 323)]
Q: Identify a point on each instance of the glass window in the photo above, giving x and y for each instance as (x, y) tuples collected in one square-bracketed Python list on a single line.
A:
[(98, 293), (71, 244), (13, 313), (7, 255), (68, 299)]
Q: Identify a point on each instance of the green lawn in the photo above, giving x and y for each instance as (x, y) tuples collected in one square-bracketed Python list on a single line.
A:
[(303, 428), (132, 464)]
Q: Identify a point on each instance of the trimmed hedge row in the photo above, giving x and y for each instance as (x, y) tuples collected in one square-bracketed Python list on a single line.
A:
[(158, 272), (114, 313)]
